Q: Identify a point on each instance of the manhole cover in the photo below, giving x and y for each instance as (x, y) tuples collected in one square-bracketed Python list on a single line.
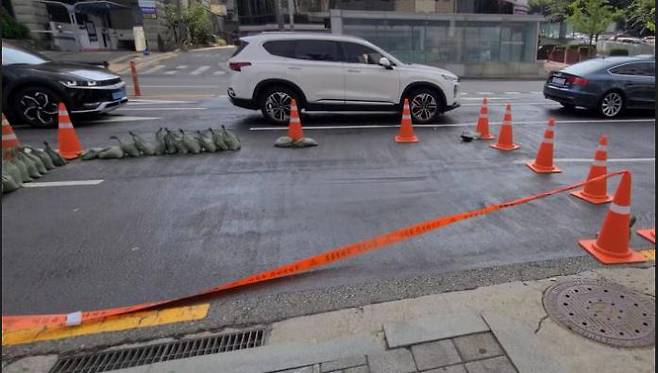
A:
[(605, 312)]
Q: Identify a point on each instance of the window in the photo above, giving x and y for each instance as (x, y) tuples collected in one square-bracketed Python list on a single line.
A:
[(357, 53), (243, 44), (12, 56), (282, 48), (648, 68), (316, 50), (632, 69)]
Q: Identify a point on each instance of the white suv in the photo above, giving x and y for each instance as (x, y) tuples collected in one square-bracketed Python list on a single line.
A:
[(327, 72)]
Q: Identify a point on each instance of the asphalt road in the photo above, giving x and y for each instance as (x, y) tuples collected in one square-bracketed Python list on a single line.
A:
[(163, 227)]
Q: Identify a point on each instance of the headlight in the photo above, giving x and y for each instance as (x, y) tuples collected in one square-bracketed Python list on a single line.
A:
[(78, 83), (451, 78)]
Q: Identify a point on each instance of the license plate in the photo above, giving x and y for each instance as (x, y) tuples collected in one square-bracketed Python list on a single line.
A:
[(119, 94), (559, 81)]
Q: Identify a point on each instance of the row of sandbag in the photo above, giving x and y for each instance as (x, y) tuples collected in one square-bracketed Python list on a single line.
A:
[(168, 142), (26, 164)]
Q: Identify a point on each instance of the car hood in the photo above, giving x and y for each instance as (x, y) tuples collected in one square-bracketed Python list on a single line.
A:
[(431, 69), (74, 71)]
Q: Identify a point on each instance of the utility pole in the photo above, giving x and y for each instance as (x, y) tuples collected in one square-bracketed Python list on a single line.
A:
[(291, 14), (278, 14)]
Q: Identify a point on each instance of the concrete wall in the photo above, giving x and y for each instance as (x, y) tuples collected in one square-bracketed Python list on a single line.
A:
[(493, 70), (33, 15)]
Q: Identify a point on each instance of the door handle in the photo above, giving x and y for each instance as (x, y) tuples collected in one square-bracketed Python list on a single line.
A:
[(353, 70)]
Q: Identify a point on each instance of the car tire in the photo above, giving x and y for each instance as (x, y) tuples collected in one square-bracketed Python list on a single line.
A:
[(274, 103), (425, 105), (611, 104), (36, 106)]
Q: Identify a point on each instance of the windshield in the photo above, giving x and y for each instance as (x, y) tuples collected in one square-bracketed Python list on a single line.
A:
[(12, 55)]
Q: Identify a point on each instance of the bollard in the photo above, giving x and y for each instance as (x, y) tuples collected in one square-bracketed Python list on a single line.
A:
[(133, 72)]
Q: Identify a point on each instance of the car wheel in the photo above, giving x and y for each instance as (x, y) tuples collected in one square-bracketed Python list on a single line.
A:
[(275, 104), (611, 104), (424, 105), (36, 106), (568, 106)]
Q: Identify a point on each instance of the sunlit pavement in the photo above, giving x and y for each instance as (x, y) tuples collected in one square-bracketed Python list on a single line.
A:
[(168, 226)]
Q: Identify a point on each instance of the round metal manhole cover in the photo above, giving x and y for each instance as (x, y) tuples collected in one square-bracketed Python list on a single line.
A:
[(605, 312)]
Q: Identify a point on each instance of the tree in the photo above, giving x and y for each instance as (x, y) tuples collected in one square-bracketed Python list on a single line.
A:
[(591, 17), (641, 16)]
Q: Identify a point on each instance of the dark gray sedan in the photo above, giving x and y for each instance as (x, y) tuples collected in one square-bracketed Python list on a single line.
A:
[(608, 85)]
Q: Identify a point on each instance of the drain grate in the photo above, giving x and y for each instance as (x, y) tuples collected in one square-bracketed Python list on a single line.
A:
[(605, 312), (136, 356)]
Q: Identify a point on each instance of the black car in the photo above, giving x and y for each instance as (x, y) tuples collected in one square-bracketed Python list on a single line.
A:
[(605, 84), (32, 86)]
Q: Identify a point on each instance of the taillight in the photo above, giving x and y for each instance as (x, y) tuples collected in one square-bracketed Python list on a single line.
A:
[(576, 80), (237, 66)]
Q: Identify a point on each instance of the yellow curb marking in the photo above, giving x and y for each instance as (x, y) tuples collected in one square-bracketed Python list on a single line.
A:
[(648, 254), (112, 324)]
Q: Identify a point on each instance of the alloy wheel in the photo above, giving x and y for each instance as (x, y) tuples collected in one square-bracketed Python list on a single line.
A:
[(423, 107), (611, 104), (277, 106), (38, 108)]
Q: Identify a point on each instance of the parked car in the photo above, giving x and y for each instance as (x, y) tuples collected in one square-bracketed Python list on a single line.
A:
[(33, 85), (325, 72), (608, 85)]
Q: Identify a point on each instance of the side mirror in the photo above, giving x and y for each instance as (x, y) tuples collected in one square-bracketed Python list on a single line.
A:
[(386, 63)]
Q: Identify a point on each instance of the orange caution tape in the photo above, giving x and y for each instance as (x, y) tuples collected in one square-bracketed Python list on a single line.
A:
[(13, 323)]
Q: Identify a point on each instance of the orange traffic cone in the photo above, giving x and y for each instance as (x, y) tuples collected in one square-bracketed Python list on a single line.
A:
[(648, 234), (543, 163), (9, 139), (295, 131), (483, 122), (596, 192), (69, 145), (406, 129), (611, 245), (505, 141)]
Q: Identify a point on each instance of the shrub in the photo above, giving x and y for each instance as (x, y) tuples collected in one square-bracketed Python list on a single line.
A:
[(12, 29)]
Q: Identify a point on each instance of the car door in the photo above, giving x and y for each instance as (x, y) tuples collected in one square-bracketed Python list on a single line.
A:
[(366, 81), (638, 82), (316, 68)]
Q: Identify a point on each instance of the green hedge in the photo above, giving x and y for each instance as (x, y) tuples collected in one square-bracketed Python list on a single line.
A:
[(12, 29)]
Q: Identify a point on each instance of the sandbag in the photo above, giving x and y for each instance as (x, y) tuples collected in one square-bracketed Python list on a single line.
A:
[(25, 176), (283, 142), (177, 141), (232, 141), (112, 152), (37, 161), (218, 138), (128, 148), (142, 145), (160, 146), (304, 142), (192, 145), (206, 141), (170, 142), (29, 163), (45, 159), (13, 171), (57, 159), (91, 153), (8, 183)]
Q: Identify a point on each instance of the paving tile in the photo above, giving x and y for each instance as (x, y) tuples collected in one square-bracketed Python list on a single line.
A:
[(349, 362), (500, 364), (392, 361), (435, 354), (405, 333), (361, 369), (478, 346), (451, 369)]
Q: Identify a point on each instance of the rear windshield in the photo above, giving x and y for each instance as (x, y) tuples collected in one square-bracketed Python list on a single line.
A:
[(586, 67), (242, 45)]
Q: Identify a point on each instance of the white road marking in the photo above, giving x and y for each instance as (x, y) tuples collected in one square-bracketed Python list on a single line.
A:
[(485, 93), (374, 126), (175, 86), (154, 69), (547, 102), (589, 160), (512, 93), (162, 108), (181, 67), (536, 92), (120, 118), (200, 70), (151, 102), (219, 72), (62, 183), (171, 72)]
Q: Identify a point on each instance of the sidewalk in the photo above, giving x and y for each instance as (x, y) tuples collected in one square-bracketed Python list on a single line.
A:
[(500, 328)]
